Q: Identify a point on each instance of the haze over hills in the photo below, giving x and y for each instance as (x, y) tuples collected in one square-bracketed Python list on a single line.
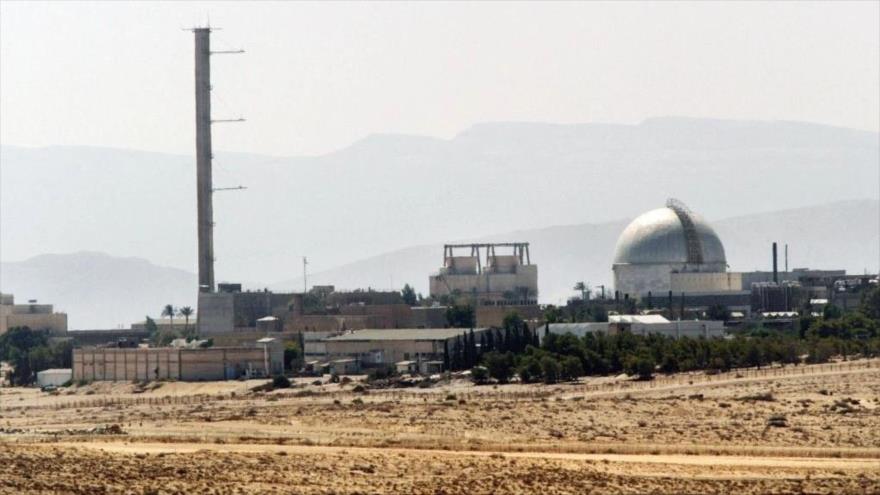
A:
[(388, 191), (101, 291), (97, 290)]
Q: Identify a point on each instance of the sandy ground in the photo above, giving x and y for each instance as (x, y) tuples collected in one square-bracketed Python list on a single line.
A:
[(800, 430)]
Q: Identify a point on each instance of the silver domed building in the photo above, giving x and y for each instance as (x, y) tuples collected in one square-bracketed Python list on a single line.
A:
[(661, 243)]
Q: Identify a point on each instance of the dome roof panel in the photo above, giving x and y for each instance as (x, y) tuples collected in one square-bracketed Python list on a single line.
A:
[(659, 236)]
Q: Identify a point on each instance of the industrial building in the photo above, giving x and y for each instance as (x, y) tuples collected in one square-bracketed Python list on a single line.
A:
[(32, 315), (264, 358), (489, 277), (322, 309), (379, 347), (642, 325), (672, 258), (667, 241)]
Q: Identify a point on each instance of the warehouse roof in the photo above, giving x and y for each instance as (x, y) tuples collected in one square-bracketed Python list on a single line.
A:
[(649, 319), (403, 334)]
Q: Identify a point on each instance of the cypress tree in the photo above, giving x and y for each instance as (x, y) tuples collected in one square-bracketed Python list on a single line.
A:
[(472, 351)]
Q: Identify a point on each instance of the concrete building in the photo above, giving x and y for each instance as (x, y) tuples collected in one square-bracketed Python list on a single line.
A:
[(54, 377), (489, 277), (144, 364), (322, 309), (377, 347), (641, 325), (32, 315)]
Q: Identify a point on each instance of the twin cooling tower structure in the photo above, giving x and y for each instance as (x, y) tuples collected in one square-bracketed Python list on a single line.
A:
[(662, 243)]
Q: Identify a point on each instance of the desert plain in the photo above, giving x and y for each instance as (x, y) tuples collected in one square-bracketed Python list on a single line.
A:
[(798, 429)]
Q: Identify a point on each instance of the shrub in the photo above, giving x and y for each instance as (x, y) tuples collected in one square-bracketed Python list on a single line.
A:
[(550, 369), (479, 374), (641, 366), (571, 368), (381, 373), (529, 369), (499, 366), (280, 381)]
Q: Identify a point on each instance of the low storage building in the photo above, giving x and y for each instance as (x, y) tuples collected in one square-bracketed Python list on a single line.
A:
[(382, 347), (640, 325), (144, 364), (54, 377)]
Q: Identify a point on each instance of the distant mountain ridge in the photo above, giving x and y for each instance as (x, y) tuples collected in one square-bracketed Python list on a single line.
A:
[(102, 291), (390, 190), (98, 290)]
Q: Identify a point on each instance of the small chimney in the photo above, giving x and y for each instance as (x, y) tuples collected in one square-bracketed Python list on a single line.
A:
[(786, 259), (775, 271)]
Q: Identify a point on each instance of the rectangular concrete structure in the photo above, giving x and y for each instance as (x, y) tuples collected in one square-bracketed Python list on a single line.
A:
[(374, 347), (145, 364)]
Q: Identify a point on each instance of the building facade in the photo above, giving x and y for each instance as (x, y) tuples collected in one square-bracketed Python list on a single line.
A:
[(32, 315)]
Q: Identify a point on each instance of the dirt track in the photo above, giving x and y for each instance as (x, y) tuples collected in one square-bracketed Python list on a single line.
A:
[(674, 437)]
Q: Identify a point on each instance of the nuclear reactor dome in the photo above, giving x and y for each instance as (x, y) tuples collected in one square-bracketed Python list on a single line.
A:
[(663, 241)]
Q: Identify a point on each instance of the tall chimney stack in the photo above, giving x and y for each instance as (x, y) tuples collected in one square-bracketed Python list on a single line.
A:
[(775, 272), (204, 185)]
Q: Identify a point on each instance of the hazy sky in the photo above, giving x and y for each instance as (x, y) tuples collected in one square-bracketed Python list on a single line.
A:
[(318, 76)]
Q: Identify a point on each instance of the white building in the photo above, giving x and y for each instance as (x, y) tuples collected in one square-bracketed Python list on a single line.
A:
[(55, 377)]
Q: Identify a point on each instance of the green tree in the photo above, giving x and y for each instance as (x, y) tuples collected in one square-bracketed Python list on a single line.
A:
[(529, 369), (151, 327), (831, 312), (550, 369), (641, 365), (460, 316), (718, 312), (292, 354), (409, 295), (186, 312), (571, 368), (479, 374), (870, 305), (552, 314), (29, 351), (169, 311), (499, 365)]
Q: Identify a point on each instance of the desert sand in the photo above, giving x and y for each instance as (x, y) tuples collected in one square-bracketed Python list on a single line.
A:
[(805, 429)]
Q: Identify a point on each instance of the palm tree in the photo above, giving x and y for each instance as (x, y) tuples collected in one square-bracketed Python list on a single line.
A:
[(169, 311), (186, 312)]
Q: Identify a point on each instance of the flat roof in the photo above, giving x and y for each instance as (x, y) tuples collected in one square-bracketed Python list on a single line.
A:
[(403, 334), (650, 319)]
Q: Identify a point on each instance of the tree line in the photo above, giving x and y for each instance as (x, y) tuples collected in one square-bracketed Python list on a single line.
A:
[(29, 351), (514, 350)]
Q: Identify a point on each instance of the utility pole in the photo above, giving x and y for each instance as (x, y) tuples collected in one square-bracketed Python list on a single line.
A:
[(305, 280), (204, 155)]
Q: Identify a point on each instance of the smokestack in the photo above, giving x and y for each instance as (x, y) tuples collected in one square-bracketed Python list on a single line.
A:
[(775, 272), (786, 259), (204, 185)]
